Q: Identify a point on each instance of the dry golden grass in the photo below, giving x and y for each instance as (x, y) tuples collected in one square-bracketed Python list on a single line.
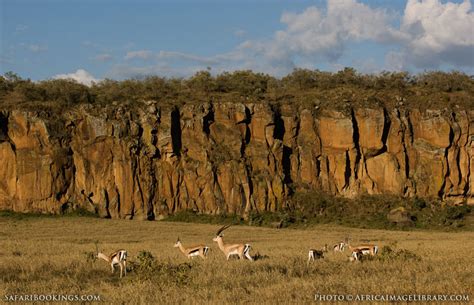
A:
[(47, 256)]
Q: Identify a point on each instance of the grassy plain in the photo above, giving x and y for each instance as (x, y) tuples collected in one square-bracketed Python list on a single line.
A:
[(47, 255)]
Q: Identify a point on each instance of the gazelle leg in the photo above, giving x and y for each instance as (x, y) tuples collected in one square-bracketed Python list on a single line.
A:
[(113, 268), (125, 267)]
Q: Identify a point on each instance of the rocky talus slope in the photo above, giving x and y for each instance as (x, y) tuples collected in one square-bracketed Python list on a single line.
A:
[(215, 157)]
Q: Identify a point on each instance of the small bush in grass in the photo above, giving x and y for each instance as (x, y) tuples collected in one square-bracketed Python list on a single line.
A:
[(388, 253), (259, 256), (146, 267), (145, 262)]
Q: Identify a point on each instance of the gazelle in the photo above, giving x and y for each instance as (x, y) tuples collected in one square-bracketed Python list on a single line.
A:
[(119, 257), (339, 247), (355, 256), (198, 250), (357, 252), (242, 250), (317, 254)]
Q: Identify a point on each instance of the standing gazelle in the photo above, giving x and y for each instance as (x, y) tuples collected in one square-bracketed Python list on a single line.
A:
[(242, 250), (198, 250), (119, 257), (339, 247), (355, 256), (317, 254), (359, 251)]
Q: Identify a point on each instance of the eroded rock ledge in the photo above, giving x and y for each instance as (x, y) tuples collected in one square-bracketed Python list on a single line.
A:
[(227, 157)]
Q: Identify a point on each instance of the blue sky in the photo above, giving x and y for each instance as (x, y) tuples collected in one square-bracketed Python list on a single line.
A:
[(91, 40)]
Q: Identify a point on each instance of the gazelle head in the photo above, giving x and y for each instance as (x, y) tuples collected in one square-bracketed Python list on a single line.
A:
[(177, 243), (219, 234)]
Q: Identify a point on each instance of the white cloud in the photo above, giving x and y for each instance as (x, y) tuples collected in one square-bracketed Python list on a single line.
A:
[(438, 33), (240, 33), (35, 48), (140, 54), (20, 28), (395, 61), (91, 45), (171, 55), (324, 35), (430, 34), (127, 71), (103, 57), (317, 35), (81, 76)]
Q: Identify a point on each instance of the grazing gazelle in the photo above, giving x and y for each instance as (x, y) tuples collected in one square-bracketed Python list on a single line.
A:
[(339, 247), (198, 250), (317, 254), (119, 257), (357, 252), (242, 250), (355, 256)]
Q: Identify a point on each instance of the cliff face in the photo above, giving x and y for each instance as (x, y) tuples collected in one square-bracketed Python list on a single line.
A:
[(227, 157)]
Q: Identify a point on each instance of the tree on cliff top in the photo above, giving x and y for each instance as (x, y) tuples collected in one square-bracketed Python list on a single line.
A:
[(301, 84)]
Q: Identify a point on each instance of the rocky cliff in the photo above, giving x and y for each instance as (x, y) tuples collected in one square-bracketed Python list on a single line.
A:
[(227, 157)]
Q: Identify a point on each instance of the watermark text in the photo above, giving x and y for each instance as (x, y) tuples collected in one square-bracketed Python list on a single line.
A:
[(464, 298), (51, 298)]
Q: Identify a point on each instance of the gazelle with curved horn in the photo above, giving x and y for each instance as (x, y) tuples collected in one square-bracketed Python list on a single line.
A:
[(242, 250), (119, 257), (198, 250)]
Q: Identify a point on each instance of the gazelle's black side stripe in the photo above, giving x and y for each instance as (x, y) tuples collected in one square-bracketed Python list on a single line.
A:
[(194, 251)]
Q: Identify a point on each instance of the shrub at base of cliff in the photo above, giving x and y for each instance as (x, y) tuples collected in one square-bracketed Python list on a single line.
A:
[(70, 210), (80, 212), (400, 217), (377, 211), (193, 216), (374, 211), (438, 215), (273, 220)]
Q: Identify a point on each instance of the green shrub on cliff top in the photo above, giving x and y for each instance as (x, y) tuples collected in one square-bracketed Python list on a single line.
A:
[(434, 89)]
